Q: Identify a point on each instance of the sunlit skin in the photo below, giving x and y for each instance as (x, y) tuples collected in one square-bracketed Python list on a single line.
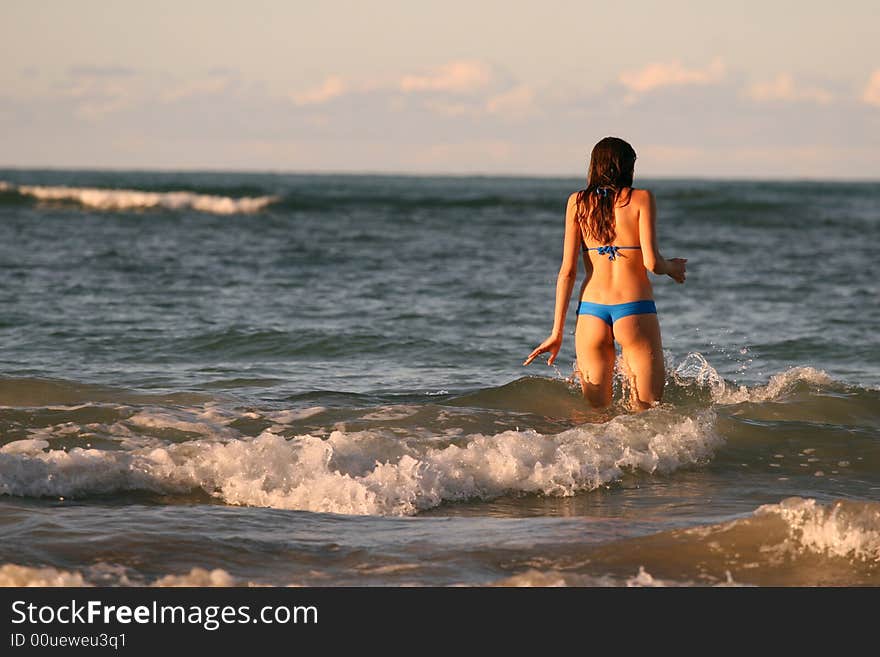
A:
[(611, 282)]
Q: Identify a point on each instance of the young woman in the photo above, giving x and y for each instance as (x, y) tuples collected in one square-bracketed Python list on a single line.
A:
[(614, 226)]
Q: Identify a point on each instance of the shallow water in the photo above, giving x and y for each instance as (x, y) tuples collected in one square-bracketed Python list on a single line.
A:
[(277, 379)]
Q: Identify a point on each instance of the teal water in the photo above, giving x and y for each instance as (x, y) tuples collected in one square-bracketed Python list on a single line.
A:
[(317, 379)]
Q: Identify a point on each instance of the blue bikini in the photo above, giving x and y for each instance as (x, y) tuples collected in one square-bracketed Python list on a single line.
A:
[(611, 251), (610, 313)]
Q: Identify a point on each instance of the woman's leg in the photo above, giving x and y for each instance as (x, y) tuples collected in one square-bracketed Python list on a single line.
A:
[(595, 356), (639, 338)]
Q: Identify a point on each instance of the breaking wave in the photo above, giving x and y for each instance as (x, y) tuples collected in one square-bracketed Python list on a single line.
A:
[(133, 199)]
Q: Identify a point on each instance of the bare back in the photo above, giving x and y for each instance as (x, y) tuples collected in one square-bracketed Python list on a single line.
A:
[(625, 278)]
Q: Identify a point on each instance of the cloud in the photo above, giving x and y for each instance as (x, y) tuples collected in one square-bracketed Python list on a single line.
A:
[(783, 88), (96, 94), (517, 102), (470, 116), (101, 71), (332, 87), (455, 77), (216, 82), (660, 74), (871, 94)]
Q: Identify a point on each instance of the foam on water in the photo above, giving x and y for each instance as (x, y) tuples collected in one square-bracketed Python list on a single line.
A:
[(368, 472), (642, 579), (382, 470), (842, 529), (695, 370), (128, 199), (16, 575)]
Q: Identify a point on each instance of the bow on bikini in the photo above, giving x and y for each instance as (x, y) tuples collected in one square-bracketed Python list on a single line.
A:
[(610, 251)]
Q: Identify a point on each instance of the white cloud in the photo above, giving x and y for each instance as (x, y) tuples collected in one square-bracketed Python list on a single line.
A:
[(215, 83), (783, 88), (514, 103), (100, 71), (97, 95), (667, 74), (455, 77), (517, 102), (331, 88), (447, 108), (453, 118), (871, 94)]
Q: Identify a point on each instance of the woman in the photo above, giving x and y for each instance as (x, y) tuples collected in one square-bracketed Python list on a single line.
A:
[(614, 226)]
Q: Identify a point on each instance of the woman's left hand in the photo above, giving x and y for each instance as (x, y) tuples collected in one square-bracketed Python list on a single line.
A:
[(551, 344)]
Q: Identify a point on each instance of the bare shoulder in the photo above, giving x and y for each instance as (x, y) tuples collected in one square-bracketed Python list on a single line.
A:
[(571, 207), (641, 197)]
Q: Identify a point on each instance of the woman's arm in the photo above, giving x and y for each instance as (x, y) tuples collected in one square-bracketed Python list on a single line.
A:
[(564, 283), (654, 262)]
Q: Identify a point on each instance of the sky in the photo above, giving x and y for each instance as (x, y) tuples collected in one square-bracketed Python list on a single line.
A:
[(771, 89)]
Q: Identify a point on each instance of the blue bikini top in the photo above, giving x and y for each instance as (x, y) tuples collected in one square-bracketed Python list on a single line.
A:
[(610, 251)]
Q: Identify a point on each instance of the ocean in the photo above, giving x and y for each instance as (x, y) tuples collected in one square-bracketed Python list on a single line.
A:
[(242, 378)]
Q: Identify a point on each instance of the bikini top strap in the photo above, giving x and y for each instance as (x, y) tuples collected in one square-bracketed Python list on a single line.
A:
[(611, 251)]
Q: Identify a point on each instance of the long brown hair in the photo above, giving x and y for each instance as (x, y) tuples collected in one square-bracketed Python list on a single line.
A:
[(611, 171)]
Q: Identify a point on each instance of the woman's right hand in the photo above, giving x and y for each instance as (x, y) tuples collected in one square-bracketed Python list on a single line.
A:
[(551, 344), (677, 269)]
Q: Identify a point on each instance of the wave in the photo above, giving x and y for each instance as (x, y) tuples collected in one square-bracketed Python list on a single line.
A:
[(797, 542), (367, 472), (250, 199), (374, 455), (27, 392), (27, 576), (133, 199), (845, 529), (642, 579), (17, 575)]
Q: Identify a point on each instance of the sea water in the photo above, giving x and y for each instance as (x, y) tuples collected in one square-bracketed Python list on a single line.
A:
[(227, 378)]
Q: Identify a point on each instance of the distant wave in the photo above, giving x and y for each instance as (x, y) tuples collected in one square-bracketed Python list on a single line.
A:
[(223, 200), (131, 199)]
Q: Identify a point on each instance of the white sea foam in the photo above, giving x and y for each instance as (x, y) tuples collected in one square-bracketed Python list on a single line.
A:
[(26, 446), (778, 385), (842, 529), (386, 413), (290, 416), (16, 575), (642, 579), (198, 577), (369, 472), (210, 422), (694, 369), (127, 199)]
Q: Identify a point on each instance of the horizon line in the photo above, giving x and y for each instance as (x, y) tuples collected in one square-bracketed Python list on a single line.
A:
[(427, 174)]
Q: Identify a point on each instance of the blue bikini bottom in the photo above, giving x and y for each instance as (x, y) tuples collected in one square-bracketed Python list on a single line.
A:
[(611, 313)]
